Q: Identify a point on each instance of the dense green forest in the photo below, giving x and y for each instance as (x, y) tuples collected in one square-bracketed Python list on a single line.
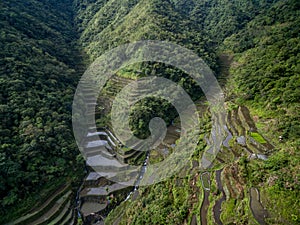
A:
[(252, 47), (40, 67)]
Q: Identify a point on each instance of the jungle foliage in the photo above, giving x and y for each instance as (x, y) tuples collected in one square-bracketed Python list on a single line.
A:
[(39, 65), (41, 57)]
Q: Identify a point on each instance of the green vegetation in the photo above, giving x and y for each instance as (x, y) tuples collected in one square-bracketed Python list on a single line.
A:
[(39, 70), (229, 213), (145, 110), (262, 36), (265, 77), (164, 203), (101, 29), (257, 137), (41, 57), (258, 41)]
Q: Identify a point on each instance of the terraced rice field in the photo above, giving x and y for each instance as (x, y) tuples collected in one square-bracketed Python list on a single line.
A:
[(57, 209), (106, 157), (229, 185)]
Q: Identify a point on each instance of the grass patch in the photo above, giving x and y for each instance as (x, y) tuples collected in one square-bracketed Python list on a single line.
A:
[(228, 211), (259, 125), (258, 138)]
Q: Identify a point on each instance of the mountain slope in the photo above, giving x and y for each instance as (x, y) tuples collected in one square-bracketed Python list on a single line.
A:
[(38, 61), (258, 45), (119, 22), (265, 76), (222, 18)]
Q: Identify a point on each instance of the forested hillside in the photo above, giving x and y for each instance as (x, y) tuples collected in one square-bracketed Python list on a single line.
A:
[(39, 71), (222, 18), (251, 45), (119, 22), (262, 38), (265, 76)]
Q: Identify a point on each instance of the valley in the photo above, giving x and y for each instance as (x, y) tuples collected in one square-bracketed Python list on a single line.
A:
[(48, 177)]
